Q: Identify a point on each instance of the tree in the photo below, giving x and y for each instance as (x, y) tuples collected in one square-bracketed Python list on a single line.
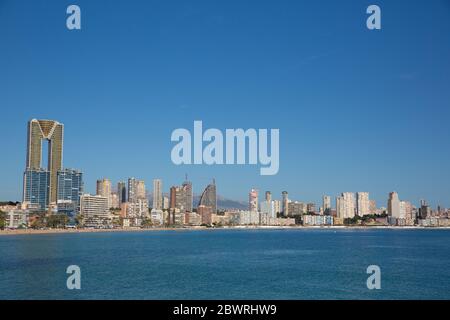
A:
[(38, 222), (2, 220), (147, 223), (57, 221), (79, 220)]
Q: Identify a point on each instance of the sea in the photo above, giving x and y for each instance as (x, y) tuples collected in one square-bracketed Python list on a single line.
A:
[(228, 264)]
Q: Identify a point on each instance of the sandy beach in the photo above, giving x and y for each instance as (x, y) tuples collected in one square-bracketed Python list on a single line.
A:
[(54, 231)]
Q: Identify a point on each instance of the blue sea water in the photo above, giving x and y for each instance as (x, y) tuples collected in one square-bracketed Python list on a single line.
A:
[(228, 264)]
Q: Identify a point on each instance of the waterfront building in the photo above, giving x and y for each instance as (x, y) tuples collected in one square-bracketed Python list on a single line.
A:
[(157, 194), (205, 213), (157, 217), (253, 200), (284, 203), (311, 208), (165, 202), (372, 207), (52, 132), (268, 196), (394, 205), (70, 189), (277, 207), (104, 189), (268, 208), (16, 219), (194, 219), (362, 203), (188, 195), (115, 202), (345, 205), (95, 211), (326, 204), (209, 197), (36, 189), (122, 192), (181, 197)]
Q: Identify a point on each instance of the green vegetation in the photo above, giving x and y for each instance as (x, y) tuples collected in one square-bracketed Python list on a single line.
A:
[(2, 220), (8, 203), (147, 223), (357, 220), (57, 221), (79, 220), (38, 221)]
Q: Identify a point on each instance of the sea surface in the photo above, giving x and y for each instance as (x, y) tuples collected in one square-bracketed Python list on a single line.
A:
[(228, 264)]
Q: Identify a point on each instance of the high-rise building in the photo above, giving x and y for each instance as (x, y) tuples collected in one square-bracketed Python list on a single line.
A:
[(253, 200), (181, 197), (157, 194), (372, 207), (209, 197), (311, 208), (297, 208), (140, 190), (362, 203), (36, 188), (268, 196), (188, 194), (104, 189), (136, 190), (326, 204), (424, 210), (122, 192), (345, 205), (205, 213), (276, 207), (115, 202), (70, 188), (95, 210), (166, 202), (284, 203), (394, 205), (51, 131)]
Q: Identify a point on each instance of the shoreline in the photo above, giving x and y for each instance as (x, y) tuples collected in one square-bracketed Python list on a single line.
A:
[(68, 231)]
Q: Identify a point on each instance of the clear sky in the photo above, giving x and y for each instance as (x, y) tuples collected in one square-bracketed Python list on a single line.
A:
[(357, 110)]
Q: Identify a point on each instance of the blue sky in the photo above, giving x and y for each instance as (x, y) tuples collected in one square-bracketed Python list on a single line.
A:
[(357, 110)]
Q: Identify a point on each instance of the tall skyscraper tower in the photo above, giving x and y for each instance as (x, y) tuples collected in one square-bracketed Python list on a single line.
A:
[(157, 194), (326, 204), (51, 131), (122, 192), (345, 205), (285, 203), (70, 188), (104, 189), (188, 193), (268, 196), (394, 205), (209, 197), (362, 203), (253, 200)]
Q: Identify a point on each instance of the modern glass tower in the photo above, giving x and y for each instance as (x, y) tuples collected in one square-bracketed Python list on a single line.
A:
[(70, 187), (209, 197), (51, 131), (36, 188)]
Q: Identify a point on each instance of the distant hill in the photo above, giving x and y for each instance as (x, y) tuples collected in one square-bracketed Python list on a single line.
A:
[(224, 203)]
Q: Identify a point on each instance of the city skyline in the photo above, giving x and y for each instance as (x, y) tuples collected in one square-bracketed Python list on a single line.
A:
[(70, 187), (275, 68)]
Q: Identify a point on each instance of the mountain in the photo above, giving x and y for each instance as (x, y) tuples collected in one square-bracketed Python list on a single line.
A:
[(224, 203)]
